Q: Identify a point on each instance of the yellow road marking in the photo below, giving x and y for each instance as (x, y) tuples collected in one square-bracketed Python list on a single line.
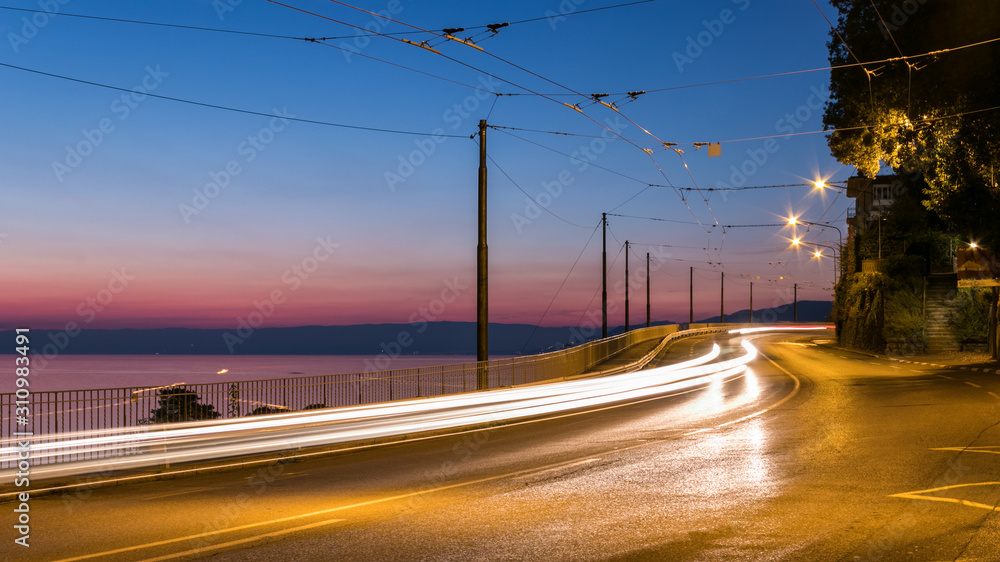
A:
[(209, 548), (916, 495), (982, 449), (972, 384)]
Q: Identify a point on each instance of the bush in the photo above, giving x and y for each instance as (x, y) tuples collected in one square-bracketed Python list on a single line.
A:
[(971, 317), (859, 319)]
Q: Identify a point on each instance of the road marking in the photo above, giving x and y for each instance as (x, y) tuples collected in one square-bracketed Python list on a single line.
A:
[(207, 534), (993, 394), (946, 377), (979, 449), (972, 384), (916, 495), (874, 363), (209, 548), (974, 369), (192, 491)]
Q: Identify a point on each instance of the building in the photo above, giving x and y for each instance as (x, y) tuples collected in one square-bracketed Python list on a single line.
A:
[(872, 197)]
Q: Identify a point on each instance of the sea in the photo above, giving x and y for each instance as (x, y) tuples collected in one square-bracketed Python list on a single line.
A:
[(85, 372)]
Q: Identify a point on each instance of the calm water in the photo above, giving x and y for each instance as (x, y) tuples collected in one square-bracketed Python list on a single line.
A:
[(77, 372)]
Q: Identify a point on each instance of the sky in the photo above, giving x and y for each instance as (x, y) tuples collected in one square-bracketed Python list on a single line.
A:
[(124, 210)]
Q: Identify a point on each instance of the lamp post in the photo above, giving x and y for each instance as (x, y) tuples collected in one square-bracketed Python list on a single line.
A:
[(817, 253), (840, 235)]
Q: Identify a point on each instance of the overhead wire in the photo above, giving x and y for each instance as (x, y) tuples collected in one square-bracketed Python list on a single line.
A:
[(561, 285), (227, 108), (517, 66), (519, 188)]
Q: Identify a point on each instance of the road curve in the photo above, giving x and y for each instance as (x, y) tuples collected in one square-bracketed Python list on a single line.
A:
[(812, 453)]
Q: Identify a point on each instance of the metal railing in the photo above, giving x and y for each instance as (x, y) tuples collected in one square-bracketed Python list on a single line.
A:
[(52, 413)]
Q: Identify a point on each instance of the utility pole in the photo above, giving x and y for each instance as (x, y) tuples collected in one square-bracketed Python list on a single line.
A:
[(795, 304), (626, 286), (722, 299), (751, 302), (691, 285), (482, 281), (647, 290), (604, 276)]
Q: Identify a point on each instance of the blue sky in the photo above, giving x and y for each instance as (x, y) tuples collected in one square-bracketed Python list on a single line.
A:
[(352, 226)]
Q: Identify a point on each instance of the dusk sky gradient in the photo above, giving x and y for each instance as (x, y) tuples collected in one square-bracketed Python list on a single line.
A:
[(373, 240)]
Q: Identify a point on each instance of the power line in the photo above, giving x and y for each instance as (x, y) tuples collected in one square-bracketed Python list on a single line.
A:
[(561, 285), (540, 206), (226, 108)]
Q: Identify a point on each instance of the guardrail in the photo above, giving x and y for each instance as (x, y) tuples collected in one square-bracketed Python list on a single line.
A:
[(79, 411)]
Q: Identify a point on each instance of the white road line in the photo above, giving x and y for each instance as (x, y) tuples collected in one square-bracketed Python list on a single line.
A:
[(972, 384)]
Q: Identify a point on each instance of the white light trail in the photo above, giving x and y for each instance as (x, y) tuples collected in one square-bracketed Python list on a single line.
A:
[(215, 439)]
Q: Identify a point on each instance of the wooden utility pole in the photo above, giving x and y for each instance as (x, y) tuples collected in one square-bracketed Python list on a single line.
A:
[(604, 276), (626, 287), (751, 302), (691, 292), (722, 299), (482, 271), (647, 290), (795, 304)]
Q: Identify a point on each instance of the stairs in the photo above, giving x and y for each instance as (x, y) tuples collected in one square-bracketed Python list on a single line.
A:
[(941, 290)]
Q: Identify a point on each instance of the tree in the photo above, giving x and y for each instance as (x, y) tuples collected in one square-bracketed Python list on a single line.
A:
[(934, 115), (178, 404)]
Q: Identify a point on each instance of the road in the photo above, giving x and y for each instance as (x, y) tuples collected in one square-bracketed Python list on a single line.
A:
[(814, 454)]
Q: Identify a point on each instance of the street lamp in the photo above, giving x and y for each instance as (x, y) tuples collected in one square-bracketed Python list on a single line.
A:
[(817, 253), (840, 235)]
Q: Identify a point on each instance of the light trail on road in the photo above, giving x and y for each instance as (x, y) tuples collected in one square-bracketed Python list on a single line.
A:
[(140, 447)]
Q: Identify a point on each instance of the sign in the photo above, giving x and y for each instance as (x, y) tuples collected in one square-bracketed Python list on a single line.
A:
[(977, 268)]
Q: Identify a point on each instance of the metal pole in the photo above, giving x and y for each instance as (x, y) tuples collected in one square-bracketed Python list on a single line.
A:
[(604, 276), (691, 289), (647, 291), (722, 299), (751, 302), (626, 286), (482, 281), (795, 304)]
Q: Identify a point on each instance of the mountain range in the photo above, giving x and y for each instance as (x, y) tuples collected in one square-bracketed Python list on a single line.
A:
[(434, 338)]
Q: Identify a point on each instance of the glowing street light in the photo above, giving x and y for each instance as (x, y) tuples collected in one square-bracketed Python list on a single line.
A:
[(820, 184), (973, 245)]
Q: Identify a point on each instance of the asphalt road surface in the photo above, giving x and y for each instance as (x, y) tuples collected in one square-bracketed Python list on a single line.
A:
[(814, 454)]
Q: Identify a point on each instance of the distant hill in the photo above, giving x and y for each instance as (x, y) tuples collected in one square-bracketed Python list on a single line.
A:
[(435, 338), (809, 311)]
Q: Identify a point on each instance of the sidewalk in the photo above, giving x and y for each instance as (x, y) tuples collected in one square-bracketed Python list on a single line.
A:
[(630, 355), (968, 360)]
